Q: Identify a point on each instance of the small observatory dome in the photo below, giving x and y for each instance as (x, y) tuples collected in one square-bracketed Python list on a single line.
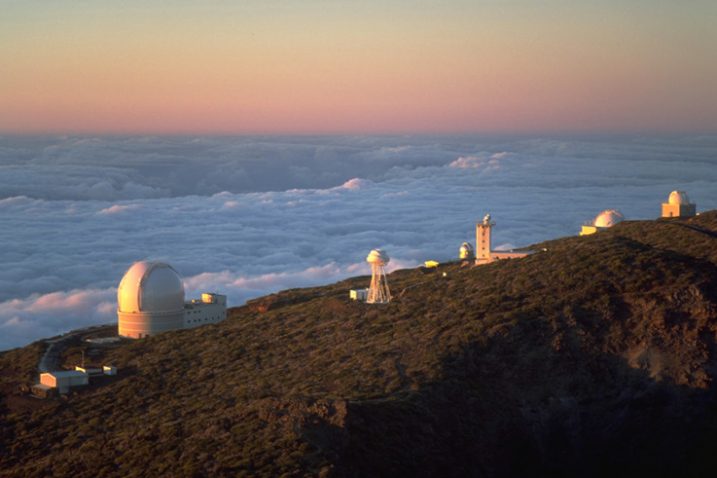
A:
[(608, 218), (378, 257), (678, 198), (150, 299), (465, 251)]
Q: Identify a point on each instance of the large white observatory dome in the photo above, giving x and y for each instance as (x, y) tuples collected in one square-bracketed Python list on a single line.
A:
[(678, 198), (608, 218), (150, 299), (150, 287)]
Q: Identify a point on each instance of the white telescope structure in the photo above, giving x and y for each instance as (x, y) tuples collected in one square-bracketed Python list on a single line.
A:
[(378, 293)]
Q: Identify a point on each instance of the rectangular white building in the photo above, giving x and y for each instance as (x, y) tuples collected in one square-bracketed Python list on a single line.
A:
[(358, 294), (63, 380), (210, 309)]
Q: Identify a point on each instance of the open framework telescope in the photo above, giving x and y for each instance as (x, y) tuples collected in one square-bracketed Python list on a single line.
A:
[(378, 293)]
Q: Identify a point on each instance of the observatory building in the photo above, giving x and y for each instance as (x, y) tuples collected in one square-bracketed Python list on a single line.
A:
[(465, 252), (604, 220), (150, 300), (678, 205), (378, 292), (484, 248)]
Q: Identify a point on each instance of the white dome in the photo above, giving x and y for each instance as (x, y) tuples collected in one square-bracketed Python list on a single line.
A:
[(377, 256), (608, 218), (678, 198), (465, 251), (150, 287)]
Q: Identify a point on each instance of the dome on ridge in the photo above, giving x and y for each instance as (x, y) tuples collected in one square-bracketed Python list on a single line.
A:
[(608, 218), (678, 198)]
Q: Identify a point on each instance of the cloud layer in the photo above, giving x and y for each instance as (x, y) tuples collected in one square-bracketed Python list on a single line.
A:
[(250, 216)]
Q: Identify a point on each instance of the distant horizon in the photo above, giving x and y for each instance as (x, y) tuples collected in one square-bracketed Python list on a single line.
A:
[(569, 134)]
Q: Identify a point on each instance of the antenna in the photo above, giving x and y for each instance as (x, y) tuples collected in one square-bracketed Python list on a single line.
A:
[(378, 292)]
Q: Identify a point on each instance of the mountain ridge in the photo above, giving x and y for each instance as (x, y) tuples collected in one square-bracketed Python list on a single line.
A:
[(594, 355)]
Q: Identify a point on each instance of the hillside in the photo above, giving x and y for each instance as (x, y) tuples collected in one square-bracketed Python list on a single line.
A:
[(595, 356)]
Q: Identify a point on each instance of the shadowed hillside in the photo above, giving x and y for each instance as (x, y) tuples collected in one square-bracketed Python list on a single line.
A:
[(592, 357)]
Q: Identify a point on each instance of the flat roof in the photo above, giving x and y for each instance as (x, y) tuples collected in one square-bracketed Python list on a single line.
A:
[(88, 369), (65, 373)]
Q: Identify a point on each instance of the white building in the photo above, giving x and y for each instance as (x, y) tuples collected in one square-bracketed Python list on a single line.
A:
[(63, 380), (150, 300), (678, 205), (211, 308)]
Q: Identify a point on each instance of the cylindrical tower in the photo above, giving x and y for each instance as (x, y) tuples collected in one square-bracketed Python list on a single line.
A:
[(378, 292), (150, 300)]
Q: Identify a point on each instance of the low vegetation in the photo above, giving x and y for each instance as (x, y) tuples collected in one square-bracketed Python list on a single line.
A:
[(593, 356)]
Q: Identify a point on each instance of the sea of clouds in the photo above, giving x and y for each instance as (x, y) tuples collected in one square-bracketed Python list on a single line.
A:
[(251, 215)]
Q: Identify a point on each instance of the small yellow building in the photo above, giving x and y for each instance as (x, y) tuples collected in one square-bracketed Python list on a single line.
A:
[(678, 205)]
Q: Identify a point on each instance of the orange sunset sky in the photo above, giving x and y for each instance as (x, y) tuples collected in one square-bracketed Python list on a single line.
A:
[(225, 67)]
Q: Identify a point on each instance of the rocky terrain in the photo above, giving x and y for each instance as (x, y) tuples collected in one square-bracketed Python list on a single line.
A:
[(595, 356)]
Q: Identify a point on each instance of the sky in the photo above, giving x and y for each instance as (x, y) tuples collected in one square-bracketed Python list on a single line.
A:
[(380, 67), (247, 216)]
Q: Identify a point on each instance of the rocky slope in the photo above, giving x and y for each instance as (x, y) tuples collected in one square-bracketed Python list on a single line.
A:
[(595, 356)]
